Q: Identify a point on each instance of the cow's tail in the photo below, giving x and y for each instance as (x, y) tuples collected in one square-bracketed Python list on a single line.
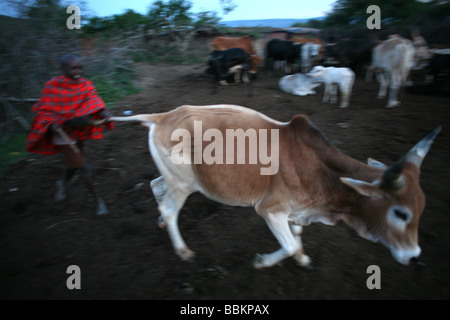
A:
[(145, 119)]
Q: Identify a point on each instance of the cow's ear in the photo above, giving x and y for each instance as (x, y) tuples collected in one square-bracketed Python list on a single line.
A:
[(377, 164), (363, 188)]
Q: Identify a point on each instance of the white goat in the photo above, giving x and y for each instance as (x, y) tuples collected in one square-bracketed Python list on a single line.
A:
[(333, 77)]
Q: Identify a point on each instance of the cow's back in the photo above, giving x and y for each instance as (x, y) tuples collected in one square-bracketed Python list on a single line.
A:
[(244, 42), (394, 55), (283, 50), (223, 43), (213, 170)]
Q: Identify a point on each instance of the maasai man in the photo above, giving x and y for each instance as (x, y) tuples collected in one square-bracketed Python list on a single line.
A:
[(63, 120)]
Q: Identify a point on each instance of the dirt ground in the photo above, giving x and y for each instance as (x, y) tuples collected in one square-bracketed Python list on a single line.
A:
[(125, 255)]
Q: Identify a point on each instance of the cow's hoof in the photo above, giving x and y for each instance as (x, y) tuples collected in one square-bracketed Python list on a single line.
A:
[(101, 208), (304, 261), (161, 223), (258, 262), (261, 261), (186, 254), (309, 267), (342, 106), (60, 191), (392, 105)]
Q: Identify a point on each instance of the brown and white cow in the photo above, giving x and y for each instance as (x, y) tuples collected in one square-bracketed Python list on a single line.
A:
[(292, 179), (316, 53), (244, 42)]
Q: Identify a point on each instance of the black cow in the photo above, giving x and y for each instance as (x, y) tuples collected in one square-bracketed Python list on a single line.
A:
[(225, 64), (355, 54), (440, 65), (439, 68), (281, 50)]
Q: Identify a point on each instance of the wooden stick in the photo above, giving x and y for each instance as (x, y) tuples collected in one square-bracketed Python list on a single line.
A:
[(68, 140)]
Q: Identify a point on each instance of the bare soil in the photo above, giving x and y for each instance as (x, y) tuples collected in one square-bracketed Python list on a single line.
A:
[(125, 255)]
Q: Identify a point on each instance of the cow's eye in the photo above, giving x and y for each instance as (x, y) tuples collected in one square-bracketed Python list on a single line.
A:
[(401, 215)]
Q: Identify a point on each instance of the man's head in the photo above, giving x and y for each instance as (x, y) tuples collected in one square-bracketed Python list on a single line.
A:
[(71, 66)]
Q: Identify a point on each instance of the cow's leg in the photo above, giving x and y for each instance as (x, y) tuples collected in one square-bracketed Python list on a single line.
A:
[(279, 225), (302, 259), (369, 73), (383, 81), (237, 76), (345, 94), (159, 189), (269, 65), (246, 79), (393, 89), (216, 84), (326, 93), (169, 206), (287, 67), (344, 99), (333, 92), (306, 66)]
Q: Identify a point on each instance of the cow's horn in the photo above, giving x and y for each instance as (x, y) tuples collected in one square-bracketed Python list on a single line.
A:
[(420, 150), (392, 177)]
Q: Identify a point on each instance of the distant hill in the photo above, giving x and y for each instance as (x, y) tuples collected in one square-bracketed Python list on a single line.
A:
[(274, 23)]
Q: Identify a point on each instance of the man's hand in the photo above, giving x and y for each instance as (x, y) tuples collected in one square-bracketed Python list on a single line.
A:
[(105, 114), (78, 122), (54, 127)]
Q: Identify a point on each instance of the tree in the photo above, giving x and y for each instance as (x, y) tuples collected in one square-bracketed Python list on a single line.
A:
[(227, 6), (32, 44), (130, 20), (174, 18), (206, 18), (175, 13)]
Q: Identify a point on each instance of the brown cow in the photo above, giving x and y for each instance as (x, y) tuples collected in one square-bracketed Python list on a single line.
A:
[(244, 42), (292, 179)]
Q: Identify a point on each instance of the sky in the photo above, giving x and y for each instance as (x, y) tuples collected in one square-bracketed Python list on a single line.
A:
[(245, 10)]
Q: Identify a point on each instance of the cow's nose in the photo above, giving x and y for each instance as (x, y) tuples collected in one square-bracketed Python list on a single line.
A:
[(405, 256), (416, 261)]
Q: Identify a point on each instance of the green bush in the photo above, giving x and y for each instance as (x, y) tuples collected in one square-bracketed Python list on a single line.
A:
[(12, 150), (116, 86)]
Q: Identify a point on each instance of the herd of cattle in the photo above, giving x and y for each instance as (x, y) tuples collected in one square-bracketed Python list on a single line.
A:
[(240, 59)]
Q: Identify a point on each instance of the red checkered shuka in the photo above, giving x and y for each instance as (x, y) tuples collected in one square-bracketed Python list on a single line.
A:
[(63, 99)]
